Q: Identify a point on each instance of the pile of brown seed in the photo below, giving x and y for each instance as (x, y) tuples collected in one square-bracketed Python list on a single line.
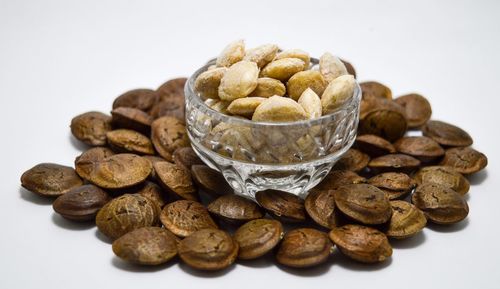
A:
[(147, 190)]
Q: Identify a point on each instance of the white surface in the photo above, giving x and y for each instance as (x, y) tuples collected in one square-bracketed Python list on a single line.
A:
[(58, 59)]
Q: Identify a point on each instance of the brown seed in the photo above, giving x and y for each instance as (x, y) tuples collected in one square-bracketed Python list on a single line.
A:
[(172, 107), (129, 141), (406, 221), (153, 192), (210, 181), (361, 243), (423, 148), (132, 118), (176, 180), (141, 98), (446, 176), (172, 89), (337, 178), (185, 217), (446, 134), (146, 246), (387, 124), (394, 185), (50, 180), (282, 205), (352, 160), (86, 163), (81, 203), (125, 214), (120, 171), (153, 160), (465, 160), (375, 89), (91, 127), (186, 157), (235, 209), (364, 203), (208, 249), (258, 237), (320, 206), (303, 248), (394, 163), (418, 109), (374, 145), (167, 135), (350, 69), (440, 204)]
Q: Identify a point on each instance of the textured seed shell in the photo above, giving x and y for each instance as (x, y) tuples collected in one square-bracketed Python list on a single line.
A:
[(186, 157), (406, 221), (153, 192), (311, 103), (283, 69), (172, 89), (374, 145), (140, 98), (168, 134), (267, 87), (337, 178), (239, 81), (91, 127), (87, 161), (130, 141), (305, 247), (295, 53), (208, 249), (353, 160), (185, 217), (261, 55), (146, 246), (210, 181), (235, 208), (446, 134), (350, 69), (423, 148), (418, 109), (375, 89), (281, 205), (394, 185), (132, 118), (303, 80), (320, 206), (465, 160), (81, 203), (361, 243), (176, 180), (395, 163), (331, 67), (337, 92), (446, 176), (279, 109), (245, 106), (386, 123), (258, 237), (50, 180), (120, 171), (207, 83), (232, 53)]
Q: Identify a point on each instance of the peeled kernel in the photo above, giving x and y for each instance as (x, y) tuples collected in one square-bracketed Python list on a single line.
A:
[(231, 54), (337, 92), (261, 55), (311, 103), (331, 67), (245, 106), (207, 83), (267, 87), (283, 69), (279, 109), (300, 81), (295, 53), (239, 81)]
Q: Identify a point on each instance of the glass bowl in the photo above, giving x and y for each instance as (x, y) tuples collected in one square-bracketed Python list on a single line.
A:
[(257, 156)]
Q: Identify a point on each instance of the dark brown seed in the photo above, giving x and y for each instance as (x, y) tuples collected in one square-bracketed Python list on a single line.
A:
[(395, 163), (303, 248), (172, 88), (172, 107), (210, 181), (130, 141), (168, 134), (153, 160), (465, 160), (394, 185), (176, 180), (352, 160), (235, 208), (186, 157), (81, 203), (374, 145), (132, 118), (91, 127), (125, 214), (120, 171), (361, 243), (375, 89), (372, 104), (208, 249), (258, 237), (50, 180), (320, 206), (363, 203), (417, 108), (87, 162), (337, 178), (282, 205), (146, 246), (406, 221), (441, 205), (153, 192), (423, 148), (446, 134), (141, 98), (349, 67), (387, 124), (185, 217), (445, 176)]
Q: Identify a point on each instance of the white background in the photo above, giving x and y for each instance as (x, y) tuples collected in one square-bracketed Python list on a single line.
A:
[(62, 58)]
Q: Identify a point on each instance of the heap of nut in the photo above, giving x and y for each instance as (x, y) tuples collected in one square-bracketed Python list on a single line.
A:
[(148, 192)]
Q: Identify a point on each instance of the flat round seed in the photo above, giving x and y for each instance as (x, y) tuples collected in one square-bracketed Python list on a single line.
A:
[(337, 178), (81, 203), (446, 134), (446, 176), (50, 180), (320, 206), (141, 98), (350, 69), (234, 208), (186, 157), (395, 163), (440, 204), (258, 237), (363, 203), (210, 181), (120, 171), (168, 134), (208, 249), (185, 217), (375, 89), (352, 160), (303, 80), (172, 106), (132, 118), (153, 160), (418, 109), (406, 221), (388, 124), (282, 205), (373, 145), (146, 246), (153, 192), (361, 243), (130, 141), (91, 127), (423, 148), (86, 163), (176, 180), (394, 185), (305, 247), (464, 160), (172, 89)]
